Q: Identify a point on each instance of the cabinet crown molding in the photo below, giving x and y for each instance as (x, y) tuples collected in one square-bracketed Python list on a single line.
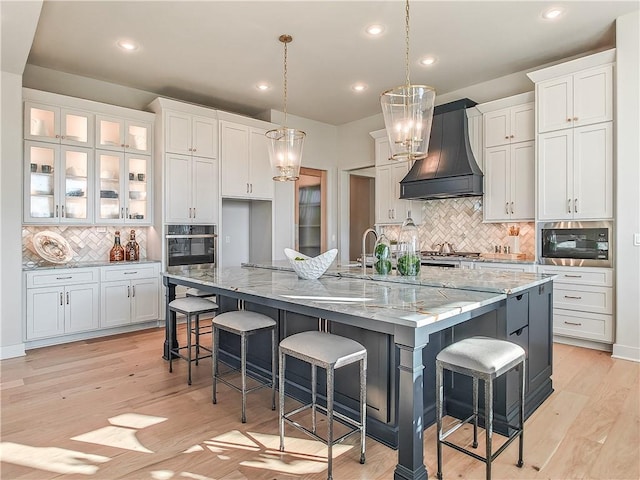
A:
[(573, 66), (521, 98)]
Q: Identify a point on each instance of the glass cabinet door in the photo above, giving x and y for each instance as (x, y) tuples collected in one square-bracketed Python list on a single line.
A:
[(123, 135), (137, 209), (109, 168), (52, 124), (41, 196), (138, 137), (76, 172)]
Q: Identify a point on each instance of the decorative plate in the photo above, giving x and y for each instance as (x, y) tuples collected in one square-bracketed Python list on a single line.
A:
[(52, 247)]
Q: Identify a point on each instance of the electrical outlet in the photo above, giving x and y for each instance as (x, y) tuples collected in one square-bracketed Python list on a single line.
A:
[(227, 239), (101, 229), (636, 239)]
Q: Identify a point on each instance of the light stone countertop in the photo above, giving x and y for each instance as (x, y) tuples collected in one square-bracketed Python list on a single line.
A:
[(44, 265), (401, 303)]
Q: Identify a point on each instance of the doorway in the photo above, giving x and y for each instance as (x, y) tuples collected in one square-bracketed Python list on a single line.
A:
[(311, 215), (361, 213)]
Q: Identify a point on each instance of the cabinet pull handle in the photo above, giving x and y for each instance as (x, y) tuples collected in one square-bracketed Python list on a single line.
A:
[(506, 207), (251, 188), (67, 298), (127, 212), (64, 278), (122, 212), (568, 205), (572, 276), (577, 324), (511, 207), (133, 288), (56, 211), (574, 298), (129, 273), (60, 298), (128, 292), (189, 212), (194, 212), (575, 204), (62, 210)]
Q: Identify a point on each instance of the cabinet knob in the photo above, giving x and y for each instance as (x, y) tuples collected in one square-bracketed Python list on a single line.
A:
[(512, 136), (506, 137), (575, 119), (568, 119), (193, 150), (57, 136)]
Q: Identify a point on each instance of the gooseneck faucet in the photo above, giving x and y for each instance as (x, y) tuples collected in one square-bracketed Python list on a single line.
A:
[(364, 245)]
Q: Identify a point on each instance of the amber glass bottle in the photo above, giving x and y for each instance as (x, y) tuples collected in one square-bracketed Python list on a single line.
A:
[(132, 250), (117, 252)]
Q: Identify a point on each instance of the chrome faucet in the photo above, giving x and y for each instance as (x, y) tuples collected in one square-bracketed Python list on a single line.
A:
[(364, 245)]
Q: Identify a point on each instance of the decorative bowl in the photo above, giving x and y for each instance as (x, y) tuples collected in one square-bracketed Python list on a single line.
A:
[(310, 268)]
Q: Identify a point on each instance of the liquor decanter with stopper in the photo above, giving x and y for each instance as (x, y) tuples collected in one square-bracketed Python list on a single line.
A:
[(116, 254), (132, 249)]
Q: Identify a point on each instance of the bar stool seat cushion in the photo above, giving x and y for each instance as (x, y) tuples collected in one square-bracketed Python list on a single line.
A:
[(192, 305), (324, 347), (483, 354), (196, 292), (243, 321)]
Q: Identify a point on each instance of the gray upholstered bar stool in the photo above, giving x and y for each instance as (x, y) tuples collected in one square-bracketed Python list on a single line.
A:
[(243, 323), (481, 358), (190, 307), (322, 349)]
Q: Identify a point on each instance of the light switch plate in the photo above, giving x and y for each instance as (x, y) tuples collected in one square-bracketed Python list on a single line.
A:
[(636, 239)]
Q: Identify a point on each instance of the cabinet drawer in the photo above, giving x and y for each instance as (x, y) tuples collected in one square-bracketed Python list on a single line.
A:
[(580, 275), (590, 326), (517, 312), (130, 272), (584, 298), (50, 278)]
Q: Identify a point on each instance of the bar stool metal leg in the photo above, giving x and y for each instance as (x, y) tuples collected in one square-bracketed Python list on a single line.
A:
[(363, 407), (330, 375), (243, 373), (439, 402), (475, 413), (521, 369), (189, 346), (281, 366), (273, 369), (488, 409), (214, 358), (197, 337), (314, 394)]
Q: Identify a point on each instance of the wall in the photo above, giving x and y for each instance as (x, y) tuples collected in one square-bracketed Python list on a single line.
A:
[(459, 222), (627, 194), (89, 244)]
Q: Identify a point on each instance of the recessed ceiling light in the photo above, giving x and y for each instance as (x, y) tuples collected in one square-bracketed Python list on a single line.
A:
[(359, 87), (127, 45), (375, 29), (263, 86), (553, 13), (429, 60)]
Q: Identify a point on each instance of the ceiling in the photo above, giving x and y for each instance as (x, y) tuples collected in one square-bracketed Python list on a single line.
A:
[(216, 52)]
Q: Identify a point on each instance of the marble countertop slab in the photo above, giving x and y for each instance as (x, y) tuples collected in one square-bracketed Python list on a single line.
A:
[(31, 266), (396, 303), (491, 281)]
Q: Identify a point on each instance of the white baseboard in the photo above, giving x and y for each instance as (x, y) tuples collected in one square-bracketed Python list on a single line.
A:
[(578, 342), (625, 352), (12, 351)]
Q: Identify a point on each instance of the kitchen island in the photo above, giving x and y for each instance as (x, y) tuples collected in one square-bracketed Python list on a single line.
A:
[(403, 323)]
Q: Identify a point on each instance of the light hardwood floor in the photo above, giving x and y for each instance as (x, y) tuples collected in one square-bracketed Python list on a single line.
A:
[(109, 408)]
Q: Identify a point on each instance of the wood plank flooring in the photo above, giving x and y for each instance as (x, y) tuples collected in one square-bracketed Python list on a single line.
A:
[(109, 408)]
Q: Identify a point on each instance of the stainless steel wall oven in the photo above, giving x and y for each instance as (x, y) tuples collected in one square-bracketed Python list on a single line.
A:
[(579, 244), (191, 246)]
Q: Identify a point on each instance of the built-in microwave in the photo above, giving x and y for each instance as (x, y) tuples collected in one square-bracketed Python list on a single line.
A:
[(191, 246), (577, 244)]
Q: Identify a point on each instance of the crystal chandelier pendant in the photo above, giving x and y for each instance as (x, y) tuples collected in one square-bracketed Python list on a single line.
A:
[(285, 144)]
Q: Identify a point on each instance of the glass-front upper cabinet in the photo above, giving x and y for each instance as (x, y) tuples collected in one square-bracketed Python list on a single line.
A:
[(58, 184), (119, 134), (48, 123), (123, 188)]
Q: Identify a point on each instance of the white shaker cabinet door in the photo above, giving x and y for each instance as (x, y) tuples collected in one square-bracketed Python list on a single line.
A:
[(496, 177), (205, 190), (178, 189), (81, 308), (178, 133), (234, 155), (45, 312), (205, 137), (522, 182), (593, 96), (555, 104), (144, 300), (261, 177), (115, 303), (555, 175)]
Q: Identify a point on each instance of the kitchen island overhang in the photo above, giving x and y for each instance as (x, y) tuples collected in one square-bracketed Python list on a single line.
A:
[(411, 322)]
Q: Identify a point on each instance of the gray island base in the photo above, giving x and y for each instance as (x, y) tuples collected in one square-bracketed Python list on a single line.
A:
[(403, 323)]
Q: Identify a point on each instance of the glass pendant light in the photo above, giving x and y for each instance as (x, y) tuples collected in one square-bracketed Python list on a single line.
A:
[(285, 144), (408, 113)]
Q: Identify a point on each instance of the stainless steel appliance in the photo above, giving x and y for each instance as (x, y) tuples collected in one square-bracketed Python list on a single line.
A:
[(443, 259), (577, 244), (191, 246)]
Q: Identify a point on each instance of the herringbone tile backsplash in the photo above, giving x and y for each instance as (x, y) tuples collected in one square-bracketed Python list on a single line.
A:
[(87, 243), (459, 222)]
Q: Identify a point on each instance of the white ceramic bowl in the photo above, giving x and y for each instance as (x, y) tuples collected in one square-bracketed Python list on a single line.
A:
[(310, 268)]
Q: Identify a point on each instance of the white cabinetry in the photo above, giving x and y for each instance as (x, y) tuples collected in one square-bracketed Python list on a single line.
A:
[(575, 173), (390, 208), (188, 149), (124, 134), (57, 124), (191, 134), (582, 302), (574, 103), (129, 294), (509, 158), (510, 182), (244, 160), (583, 98), (514, 267), (509, 125), (61, 301)]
